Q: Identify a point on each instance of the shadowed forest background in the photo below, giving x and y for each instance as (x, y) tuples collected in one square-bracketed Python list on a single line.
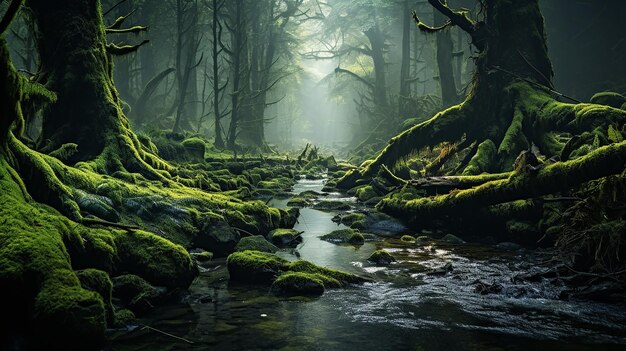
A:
[(262, 174)]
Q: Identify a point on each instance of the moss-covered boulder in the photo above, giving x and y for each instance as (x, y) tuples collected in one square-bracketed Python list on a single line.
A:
[(98, 281), (255, 243), (255, 266), (135, 293), (289, 217), (296, 283), (285, 237), (332, 205), (195, 147), (356, 220), (408, 239), (344, 236), (298, 202), (381, 258), (219, 238), (265, 268), (157, 260), (366, 193)]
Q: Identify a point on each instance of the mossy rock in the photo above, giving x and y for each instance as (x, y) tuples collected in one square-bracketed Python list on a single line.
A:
[(452, 239), (310, 194), (196, 147), (136, 293), (123, 318), (289, 217), (608, 98), (156, 259), (356, 220), (201, 255), (344, 236), (330, 277), (265, 268), (299, 284), (255, 266), (255, 243), (219, 238), (381, 258), (98, 281), (366, 193), (298, 202), (332, 205), (285, 237)]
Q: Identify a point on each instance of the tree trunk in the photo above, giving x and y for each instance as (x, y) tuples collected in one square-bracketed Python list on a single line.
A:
[(76, 65), (377, 43), (445, 46), (405, 85)]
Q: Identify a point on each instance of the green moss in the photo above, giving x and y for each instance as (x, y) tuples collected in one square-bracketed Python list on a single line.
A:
[(381, 257), (356, 220), (123, 318), (607, 98), (156, 259), (344, 236), (298, 202), (332, 205), (255, 266), (98, 281), (295, 283), (366, 193), (482, 160), (327, 275), (285, 237), (256, 243)]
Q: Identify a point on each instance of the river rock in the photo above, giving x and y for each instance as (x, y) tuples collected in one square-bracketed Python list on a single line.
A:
[(381, 258), (218, 238), (285, 237), (452, 239), (257, 243)]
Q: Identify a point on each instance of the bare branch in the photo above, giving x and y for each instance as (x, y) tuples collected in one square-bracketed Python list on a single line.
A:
[(125, 49), (134, 30)]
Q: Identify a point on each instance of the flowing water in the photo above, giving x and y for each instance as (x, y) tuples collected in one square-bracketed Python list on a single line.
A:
[(405, 308)]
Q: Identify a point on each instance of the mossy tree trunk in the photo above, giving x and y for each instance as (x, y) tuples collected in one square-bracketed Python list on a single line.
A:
[(76, 64), (511, 103)]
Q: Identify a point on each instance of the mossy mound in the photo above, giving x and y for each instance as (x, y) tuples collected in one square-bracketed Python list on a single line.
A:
[(98, 281), (298, 202), (332, 205), (366, 193), (255, 243), (218, 238), (265, 268), (381, 258), (285, 237), (344, 236), (255, 266), (135, 293), (356, 220), (407, 239), (296, 283)]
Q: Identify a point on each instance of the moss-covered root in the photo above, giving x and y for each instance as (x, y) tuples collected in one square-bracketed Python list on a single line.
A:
[(44, 292), (448, 125), (557, 177)]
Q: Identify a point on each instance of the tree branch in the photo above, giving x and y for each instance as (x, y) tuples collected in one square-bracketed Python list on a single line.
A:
[(125, 49), (12, 11)]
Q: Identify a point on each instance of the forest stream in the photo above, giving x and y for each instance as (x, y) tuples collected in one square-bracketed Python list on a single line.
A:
[(409, 305)]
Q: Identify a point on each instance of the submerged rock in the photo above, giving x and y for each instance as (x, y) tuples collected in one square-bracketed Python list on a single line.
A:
[(381, 258), (452, 239), (344, 236), (135, 293), (256, 243)]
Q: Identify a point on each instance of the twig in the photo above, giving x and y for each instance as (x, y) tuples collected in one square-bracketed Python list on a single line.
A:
[(167, 334)]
